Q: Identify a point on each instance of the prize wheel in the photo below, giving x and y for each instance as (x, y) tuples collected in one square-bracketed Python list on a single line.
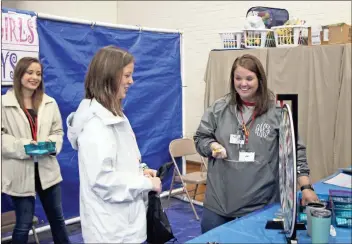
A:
[(287, 171)]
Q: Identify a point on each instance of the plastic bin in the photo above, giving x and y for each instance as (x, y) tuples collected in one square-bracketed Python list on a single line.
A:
[(231, 39), (290, 35), (258, 38)]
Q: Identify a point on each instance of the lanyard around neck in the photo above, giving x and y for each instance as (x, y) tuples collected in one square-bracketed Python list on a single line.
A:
[(33, 124), (244, 127)]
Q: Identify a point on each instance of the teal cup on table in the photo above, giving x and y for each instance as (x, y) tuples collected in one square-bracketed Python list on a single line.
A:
[(321, 221), (311, 206)]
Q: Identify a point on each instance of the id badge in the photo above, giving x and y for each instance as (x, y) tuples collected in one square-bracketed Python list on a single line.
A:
[(242, 146), (246, 156), (236, 139)]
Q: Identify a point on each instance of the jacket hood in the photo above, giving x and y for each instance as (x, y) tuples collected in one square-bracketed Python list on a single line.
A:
[(76, 121), (87, 109)]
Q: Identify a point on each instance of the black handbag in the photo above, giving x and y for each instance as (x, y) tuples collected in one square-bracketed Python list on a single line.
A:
[(158, 226)]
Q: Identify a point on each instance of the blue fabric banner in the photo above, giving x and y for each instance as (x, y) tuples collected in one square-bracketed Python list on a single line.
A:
[(153, 103)]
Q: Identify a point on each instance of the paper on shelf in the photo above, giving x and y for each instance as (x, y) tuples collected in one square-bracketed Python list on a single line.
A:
[(316, 35)]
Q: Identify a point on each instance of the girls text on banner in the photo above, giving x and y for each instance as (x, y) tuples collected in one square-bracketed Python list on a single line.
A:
[(19, 38)]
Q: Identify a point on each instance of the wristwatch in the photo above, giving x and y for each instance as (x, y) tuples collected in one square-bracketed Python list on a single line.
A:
[(310, 187)]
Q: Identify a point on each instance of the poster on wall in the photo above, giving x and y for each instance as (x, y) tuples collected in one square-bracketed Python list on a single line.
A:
[(19, 38)]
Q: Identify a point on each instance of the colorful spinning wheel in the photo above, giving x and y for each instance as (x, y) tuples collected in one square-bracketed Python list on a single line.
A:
[(287, 171)]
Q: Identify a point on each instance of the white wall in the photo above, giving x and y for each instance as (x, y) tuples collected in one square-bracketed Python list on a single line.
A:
[(201, 21), (104, 11)]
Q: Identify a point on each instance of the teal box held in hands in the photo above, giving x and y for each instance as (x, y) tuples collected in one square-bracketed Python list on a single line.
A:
[(43, 148)]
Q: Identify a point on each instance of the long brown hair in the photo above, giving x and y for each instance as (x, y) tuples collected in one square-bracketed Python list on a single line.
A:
[(264, 96), (20, 70), (104, 77)]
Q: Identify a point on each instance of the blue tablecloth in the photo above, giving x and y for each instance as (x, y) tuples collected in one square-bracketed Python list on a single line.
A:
[(251, 228)]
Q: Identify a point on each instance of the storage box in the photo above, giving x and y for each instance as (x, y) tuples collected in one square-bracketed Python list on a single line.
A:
[(42, 148), (259, 38), (232, 39), (290, 35), (333, 34), (339, 33), (323, 36)]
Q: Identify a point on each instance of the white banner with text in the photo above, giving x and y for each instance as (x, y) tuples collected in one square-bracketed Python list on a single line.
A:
[(19, 38)]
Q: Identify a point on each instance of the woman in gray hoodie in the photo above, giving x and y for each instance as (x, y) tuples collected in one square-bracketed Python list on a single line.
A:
[(239, 134)]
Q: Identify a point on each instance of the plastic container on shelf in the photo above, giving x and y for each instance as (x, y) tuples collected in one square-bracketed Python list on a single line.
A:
[(290, 35), (258, 38), (231, 39)]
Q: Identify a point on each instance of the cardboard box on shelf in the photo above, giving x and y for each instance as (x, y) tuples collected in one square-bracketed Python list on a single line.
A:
[(329, 34), (339, 33)]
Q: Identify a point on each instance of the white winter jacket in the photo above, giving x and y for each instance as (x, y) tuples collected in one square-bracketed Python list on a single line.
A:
[(113, 190)]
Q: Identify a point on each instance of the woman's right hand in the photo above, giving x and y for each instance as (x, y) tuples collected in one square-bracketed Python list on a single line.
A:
[(218, 151), (156, 182)]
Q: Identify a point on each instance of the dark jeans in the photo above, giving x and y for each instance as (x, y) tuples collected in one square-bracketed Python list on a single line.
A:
[(51, 201), (211, 220)]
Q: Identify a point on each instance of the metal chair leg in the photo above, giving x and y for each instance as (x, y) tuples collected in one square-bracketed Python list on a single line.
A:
[(191, 202), (195, 192)]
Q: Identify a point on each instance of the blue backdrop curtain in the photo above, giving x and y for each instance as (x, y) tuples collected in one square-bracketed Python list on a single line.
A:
[(153, 103)]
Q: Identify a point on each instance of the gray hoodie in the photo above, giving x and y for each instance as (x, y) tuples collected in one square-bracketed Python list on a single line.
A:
[(236, 188)]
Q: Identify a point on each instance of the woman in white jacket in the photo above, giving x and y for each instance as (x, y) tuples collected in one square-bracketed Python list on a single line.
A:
[(113, 185)]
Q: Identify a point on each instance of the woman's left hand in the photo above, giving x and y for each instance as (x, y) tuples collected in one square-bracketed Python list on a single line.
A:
[(309, 196), (149, 172)]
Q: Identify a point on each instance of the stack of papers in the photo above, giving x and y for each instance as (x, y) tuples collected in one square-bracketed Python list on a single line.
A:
[(342, 179)]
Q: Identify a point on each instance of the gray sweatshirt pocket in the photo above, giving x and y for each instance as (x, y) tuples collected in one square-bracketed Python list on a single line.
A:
[(236, 188)]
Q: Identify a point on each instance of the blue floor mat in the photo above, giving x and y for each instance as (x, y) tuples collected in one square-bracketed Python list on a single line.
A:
[(183, 222)]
